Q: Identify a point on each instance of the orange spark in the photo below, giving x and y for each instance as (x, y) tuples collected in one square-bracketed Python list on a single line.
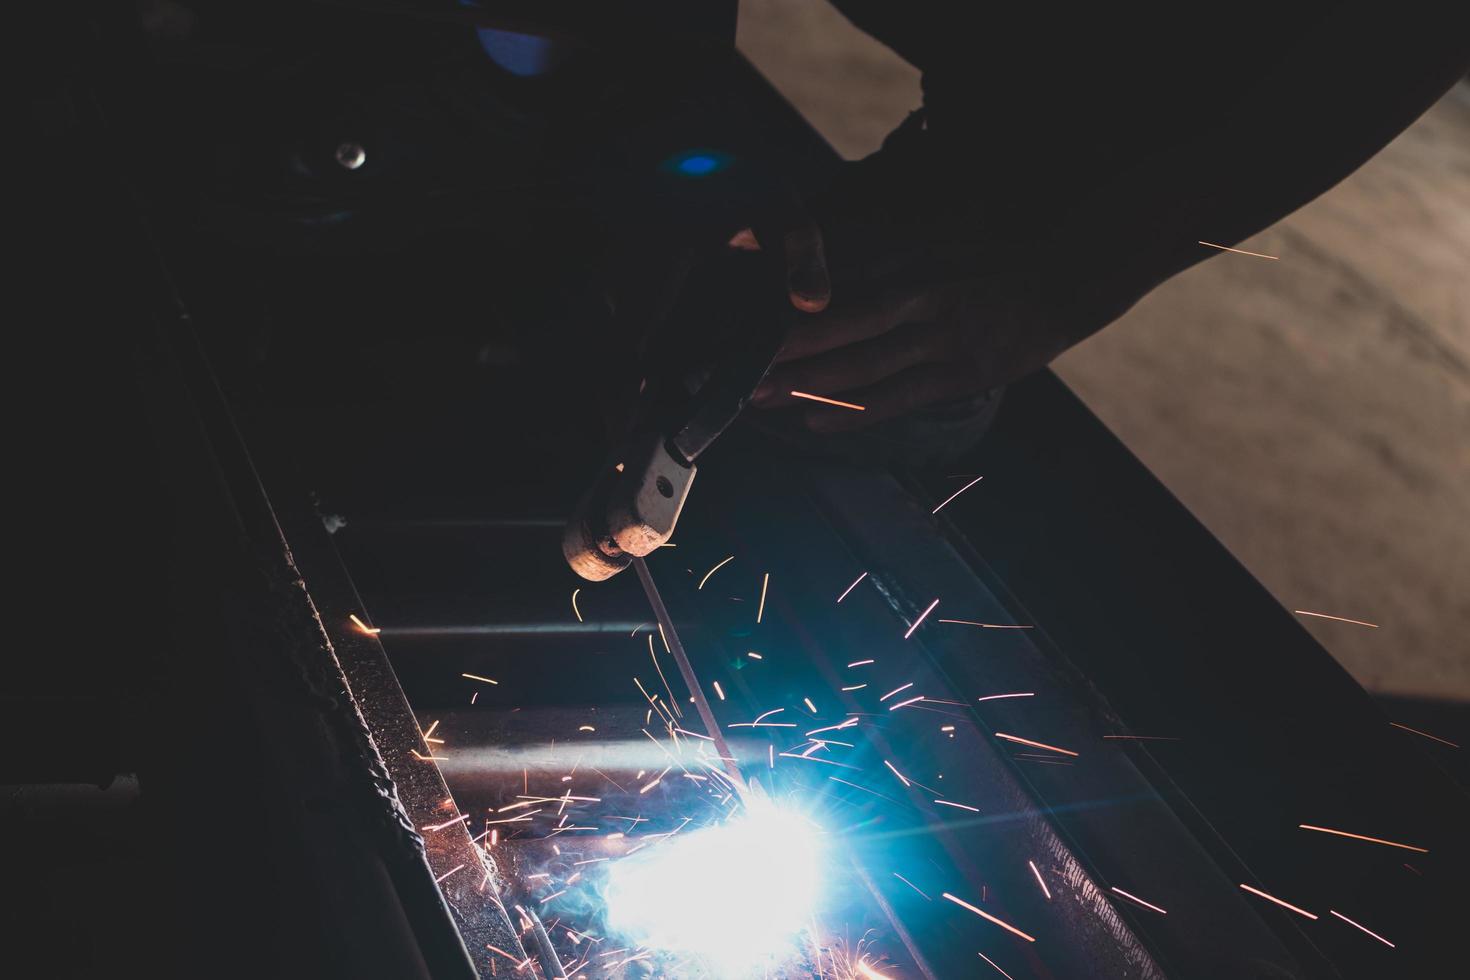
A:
[(1273, 898), (957, 493), (719, 690), (1044, 890), (718, 566), (994, 964), (1371, 840), (867, 971), (960, 806), (860, 663), (996, 697), (585, 728), (852, 586), (986, 626), (922, 616), (477, 677), (364, 627), (431, 729), (990, 918), (440, 880), (1425, 734), (1362, 927), (1034, 745), (1340, 619), (896, 690), (1241, 251), (761, 609), (828, 401), (574, 605), (900, 775), (1135, 898)]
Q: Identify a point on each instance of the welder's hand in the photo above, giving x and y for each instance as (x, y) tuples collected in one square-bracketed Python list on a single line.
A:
[(913, 349), (807, 280)]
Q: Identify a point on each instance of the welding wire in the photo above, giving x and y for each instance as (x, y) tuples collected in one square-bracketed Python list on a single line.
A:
[(701, 703), (921, 964), (550, 963)]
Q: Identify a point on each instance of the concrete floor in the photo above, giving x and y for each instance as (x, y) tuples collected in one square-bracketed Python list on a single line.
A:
[(1314, 412)]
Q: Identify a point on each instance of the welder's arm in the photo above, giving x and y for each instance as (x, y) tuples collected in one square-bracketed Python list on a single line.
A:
[(1350, 86)]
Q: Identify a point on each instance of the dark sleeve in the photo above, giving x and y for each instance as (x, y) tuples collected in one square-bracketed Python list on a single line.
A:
[(1104, 154)]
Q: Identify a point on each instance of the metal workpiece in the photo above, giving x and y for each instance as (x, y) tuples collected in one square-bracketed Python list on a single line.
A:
[(1089, 821)]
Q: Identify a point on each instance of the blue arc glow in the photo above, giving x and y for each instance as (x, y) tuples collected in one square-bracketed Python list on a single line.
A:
[(733, 896)]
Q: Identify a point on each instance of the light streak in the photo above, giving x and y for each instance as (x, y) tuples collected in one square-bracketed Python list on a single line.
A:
[(867, 971), (718, 690), (754, 656), (905, 704), (828, 401), (907, 882), (957, 493), (1034, 745), (1416, 731), (761, 609), (1340, 619), (440, 880), (1241, 251), (477, 677), (585, 728), (985, 626), (896, 690), (946, 728), (860, 663), (1273, 898), (431, 729), (900, 775), (1044, 890), (1371, 840), (855, 687), (810, 706), (997, 697), (958, 806), (364, 627), (1135, 898), (922, 616), (833, 728), (1362, 927), (447, 823), (997, 967), (989, 918), (502, 952), (852, 586), (718, 565), (575, 610)]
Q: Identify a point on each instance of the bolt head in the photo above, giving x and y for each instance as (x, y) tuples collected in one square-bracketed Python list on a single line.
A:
[(351, 155)]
